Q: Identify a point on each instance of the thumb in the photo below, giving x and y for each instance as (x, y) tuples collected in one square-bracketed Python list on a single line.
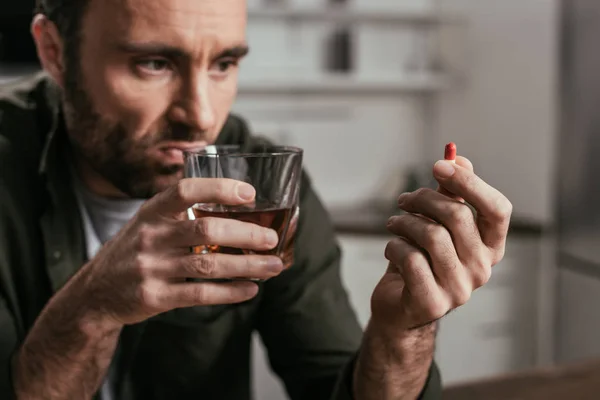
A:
[(463, 162)]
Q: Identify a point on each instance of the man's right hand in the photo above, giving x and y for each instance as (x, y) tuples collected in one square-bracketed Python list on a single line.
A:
[(142, 272)]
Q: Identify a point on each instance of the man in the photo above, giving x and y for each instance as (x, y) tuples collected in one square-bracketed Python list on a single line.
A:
[(94, 242)]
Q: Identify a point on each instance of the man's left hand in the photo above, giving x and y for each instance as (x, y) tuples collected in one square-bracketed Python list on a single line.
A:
[(443, 250)]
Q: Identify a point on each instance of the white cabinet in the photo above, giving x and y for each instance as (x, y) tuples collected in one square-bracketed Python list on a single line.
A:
[(363, 265), (578, 315)]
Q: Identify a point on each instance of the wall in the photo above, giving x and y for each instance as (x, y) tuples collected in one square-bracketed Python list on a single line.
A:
[(505, 117)]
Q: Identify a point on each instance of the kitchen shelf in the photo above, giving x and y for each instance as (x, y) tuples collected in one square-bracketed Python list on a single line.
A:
[(349, 15), (345, 84)]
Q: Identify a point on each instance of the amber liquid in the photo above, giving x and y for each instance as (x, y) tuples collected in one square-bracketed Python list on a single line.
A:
[(281, 220)]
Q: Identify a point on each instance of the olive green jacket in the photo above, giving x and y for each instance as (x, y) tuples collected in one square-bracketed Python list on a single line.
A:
[(303, 316)]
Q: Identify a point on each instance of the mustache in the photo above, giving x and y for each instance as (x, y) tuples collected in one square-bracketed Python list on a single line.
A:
[(180, 133)]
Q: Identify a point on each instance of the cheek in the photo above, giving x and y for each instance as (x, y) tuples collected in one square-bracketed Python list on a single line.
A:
[(223, 95), (124, 99)]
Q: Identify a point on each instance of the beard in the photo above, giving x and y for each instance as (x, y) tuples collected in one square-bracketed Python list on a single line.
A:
[(112, 151)]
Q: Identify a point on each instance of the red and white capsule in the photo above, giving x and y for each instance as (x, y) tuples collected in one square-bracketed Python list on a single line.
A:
[(450, 152)]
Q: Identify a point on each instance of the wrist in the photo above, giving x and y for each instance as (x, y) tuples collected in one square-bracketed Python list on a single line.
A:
[(95, 325), (400, 342), (74, 310), (84, 306), (393, 363)]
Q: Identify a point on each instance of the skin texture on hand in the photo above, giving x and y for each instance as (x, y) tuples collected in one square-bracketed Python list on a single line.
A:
[(442, 252), (66, 353), (144, 270)]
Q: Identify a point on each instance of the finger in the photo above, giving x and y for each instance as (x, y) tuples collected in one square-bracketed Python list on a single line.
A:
[(223, 232), (191, 191), (192, 294), (493, 208), (463, 162), (437, 242), (454, 215), (224, 266), (412, 264)]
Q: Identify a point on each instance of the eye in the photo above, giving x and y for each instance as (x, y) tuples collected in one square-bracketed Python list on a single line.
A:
[(153, 65), (221, 67)]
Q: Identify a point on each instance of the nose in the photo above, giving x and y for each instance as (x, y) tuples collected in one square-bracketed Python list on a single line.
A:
[(194, 108)]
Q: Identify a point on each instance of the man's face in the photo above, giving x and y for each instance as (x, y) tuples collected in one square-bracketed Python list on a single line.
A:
[(155, 78)]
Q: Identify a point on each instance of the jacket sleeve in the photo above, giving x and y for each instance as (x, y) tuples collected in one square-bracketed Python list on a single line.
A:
[(431, 391)]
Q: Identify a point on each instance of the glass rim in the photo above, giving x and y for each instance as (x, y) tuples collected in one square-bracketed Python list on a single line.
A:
[(268, 151)]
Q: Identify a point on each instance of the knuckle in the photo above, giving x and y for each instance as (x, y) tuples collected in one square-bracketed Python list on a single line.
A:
[(206, 265), (437, 309), (204, 229), (180, 191), (148, 296), (461, 296), (200, 294), (146, 238), (389, 250), (435, 236), (505, 207), (482, 276), (502, 209), (460, 215), (142, 266), (498, 255), (413, 259)]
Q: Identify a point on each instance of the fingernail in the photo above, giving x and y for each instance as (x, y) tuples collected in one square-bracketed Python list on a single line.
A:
[(443, 169), (272, 238), (251, 290), (391, 221), (274, 264), (402, 198), (246, 192)]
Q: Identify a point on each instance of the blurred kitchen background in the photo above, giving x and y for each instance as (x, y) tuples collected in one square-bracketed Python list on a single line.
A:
[(373, 89)]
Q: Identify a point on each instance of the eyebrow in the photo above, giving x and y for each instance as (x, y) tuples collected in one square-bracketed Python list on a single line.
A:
[(234, 52), (175, 52)]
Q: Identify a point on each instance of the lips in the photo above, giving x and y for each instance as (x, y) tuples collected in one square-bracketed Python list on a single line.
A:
[(172, 152)]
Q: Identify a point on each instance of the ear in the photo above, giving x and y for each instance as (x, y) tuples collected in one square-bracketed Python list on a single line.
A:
[(49, 47)]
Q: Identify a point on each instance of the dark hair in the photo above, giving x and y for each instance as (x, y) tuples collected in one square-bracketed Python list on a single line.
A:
[(67, 15)]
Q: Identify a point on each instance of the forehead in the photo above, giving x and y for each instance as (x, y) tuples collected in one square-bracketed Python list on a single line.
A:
[(184, 22)]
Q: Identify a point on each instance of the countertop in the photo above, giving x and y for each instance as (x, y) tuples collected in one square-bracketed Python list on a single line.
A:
[(372, 221), (575, 381)]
